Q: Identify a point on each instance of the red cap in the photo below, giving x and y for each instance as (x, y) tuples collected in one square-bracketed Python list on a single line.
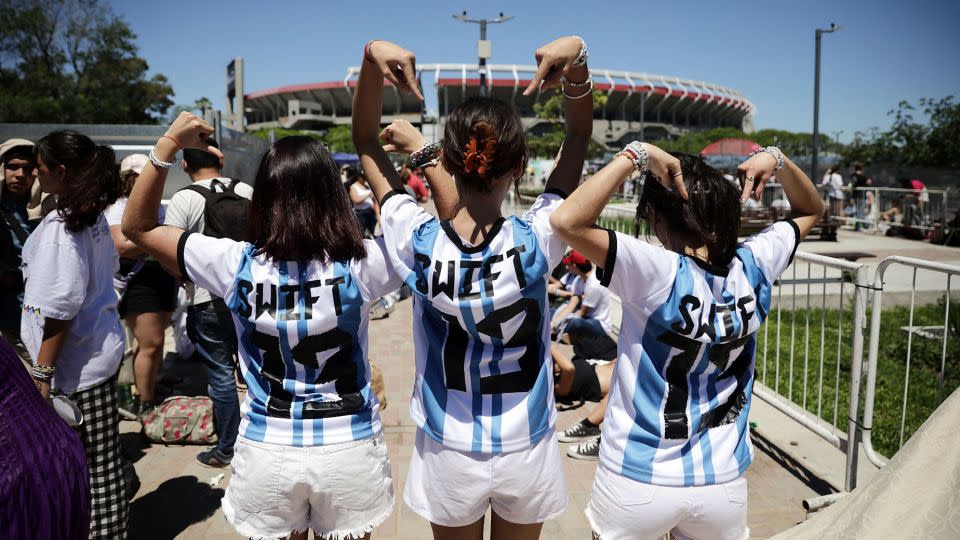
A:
[(575, 257)]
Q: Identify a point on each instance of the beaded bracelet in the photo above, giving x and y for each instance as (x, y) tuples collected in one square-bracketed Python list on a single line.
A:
[(43, 373), (424, 156), (581, 58), (637, 154), (773, 151), (157, 162), (572, 84), (588, 83)]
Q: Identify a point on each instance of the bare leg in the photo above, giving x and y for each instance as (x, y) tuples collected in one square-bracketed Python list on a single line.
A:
[(604, 375), (501, 529), (596, 415), (148, 329), (474, 531)]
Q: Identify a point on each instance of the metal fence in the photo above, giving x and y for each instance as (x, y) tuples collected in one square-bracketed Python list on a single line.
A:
[(928, 349), (902, 212), (813, 332)]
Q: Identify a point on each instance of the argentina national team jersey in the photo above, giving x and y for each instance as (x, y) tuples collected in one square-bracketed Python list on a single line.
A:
[(484, 378), (302, 335), (681, 389)]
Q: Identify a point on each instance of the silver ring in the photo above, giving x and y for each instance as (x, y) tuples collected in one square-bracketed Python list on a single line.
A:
[(676, 174), (749, 179)]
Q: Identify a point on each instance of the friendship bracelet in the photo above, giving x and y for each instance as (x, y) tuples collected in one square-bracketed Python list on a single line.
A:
[(157, 162), (581, 58), (179, 146), (43, 373), (587, 93), (366, 51), (424, 155), (637, 154), (572, 84), (773, 151)]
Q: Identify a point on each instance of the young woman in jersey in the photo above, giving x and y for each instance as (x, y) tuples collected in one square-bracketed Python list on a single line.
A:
[(675, 440), (483, 395), (69, 322), (310, 453)]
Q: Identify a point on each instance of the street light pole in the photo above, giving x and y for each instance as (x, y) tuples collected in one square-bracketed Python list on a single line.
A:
[(484, 48), (816, 99)]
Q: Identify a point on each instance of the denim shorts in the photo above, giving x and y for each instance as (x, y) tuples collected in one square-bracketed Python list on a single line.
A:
[(338, 490)]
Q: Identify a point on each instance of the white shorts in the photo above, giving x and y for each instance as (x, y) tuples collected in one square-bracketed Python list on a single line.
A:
[(453, 488), (621, 508), (339, 490)]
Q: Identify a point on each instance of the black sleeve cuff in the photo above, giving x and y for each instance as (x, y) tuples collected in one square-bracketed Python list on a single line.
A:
[(605, 274), (181, 245), (557, 192), (796, 237), (391, 193)]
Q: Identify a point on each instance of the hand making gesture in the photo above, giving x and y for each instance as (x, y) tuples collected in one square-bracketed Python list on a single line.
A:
[(401, 137), (555, 60), (190, 131), (754, 173), (398, 65)]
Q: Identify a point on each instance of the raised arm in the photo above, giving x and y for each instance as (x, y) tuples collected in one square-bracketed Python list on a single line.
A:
[(381, 59), (806, 206), (402, 137), (139, 222), (575, 220), (562, 63)]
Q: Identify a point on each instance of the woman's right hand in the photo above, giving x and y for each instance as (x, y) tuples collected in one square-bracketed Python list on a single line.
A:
[(553, 61), (402, 137), (398, 65), (191, 131)]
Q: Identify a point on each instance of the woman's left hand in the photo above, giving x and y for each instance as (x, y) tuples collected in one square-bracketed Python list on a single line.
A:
[(754, 173), (402, 137)]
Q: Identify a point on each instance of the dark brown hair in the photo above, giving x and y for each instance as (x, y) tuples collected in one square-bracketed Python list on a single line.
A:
[(483, 140), (92, 180), (711, 215), (299, 210)]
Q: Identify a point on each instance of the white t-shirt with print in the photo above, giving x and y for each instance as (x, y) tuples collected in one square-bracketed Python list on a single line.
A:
[(186, 211), (302, 334), (69, 275), (597, 299), (481, 325), (682, 385)]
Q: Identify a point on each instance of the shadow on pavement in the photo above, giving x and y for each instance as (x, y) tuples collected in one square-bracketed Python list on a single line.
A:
[(172, 507), (791, 465)]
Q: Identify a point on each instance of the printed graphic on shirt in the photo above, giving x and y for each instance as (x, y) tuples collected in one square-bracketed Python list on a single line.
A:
[(302, 330), (481, 325), (681, 393)]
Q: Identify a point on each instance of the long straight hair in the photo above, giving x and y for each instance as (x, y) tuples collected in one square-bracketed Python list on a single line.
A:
[(299, 210), (92, 180)]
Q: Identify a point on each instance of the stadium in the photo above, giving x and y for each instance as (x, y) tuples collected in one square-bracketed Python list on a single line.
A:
[(639, 105)]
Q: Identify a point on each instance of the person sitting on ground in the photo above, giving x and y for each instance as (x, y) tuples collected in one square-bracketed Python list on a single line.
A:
[(568, 290), (675, 435), (148, 294), (590, 330), (298, 289), (209, 325)]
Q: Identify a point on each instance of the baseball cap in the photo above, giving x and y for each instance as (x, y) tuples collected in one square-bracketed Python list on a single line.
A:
[(134, 163), (574, 257)]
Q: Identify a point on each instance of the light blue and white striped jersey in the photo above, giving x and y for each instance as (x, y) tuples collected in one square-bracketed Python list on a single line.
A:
[(681, 388), (484, 377), (302, 334)]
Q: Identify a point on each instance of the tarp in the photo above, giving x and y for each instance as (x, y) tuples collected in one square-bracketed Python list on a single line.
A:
[(342, 158), (730, 147), (917, 495)]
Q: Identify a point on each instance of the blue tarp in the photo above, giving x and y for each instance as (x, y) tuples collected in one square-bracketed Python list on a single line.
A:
[(342, 158)]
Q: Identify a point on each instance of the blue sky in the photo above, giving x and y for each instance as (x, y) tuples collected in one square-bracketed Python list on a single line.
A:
[(886, 51)]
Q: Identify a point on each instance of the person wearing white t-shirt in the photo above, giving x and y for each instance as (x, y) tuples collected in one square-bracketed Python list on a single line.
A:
[(364, 206), (208, 322), (675, 435), (298, 290), (69, 322), (590, 330), (483, 398)]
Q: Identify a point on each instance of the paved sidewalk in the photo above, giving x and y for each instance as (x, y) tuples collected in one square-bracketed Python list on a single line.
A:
[(175, 499)]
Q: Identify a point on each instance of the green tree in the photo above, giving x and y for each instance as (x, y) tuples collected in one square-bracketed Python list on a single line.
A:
[(548, 143), (74, 61), (203, 105)]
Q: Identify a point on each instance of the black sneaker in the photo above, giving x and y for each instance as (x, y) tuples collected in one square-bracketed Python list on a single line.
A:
[(212, 458), (580, 431), (589, 450)]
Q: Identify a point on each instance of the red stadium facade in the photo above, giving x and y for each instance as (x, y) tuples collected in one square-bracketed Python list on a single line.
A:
[(639, 105)]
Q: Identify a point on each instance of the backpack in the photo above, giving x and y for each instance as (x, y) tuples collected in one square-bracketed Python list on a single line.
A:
[(181, 419), (225, 211)]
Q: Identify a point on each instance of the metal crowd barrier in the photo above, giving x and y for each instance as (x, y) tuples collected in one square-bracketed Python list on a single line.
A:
[(871, 209), (938, 332)]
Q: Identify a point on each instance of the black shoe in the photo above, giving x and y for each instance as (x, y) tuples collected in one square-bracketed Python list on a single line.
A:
[(589, 450), (580, 431), (212, 458)]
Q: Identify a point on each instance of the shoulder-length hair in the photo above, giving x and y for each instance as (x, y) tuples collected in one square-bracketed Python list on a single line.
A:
[(92, 181), (299, 210)]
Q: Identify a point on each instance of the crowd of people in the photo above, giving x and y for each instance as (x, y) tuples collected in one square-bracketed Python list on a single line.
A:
[(281, 277)]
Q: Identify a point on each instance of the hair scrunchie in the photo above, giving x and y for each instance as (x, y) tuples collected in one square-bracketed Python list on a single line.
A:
[(478, 155)]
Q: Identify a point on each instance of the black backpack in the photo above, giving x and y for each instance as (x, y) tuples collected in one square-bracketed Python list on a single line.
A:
[(225, 211)]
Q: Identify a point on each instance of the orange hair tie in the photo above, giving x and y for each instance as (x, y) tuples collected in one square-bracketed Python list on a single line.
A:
[(476, 159)]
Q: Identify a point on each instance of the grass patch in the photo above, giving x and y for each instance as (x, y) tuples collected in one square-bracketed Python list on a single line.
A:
[(924, 393)]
